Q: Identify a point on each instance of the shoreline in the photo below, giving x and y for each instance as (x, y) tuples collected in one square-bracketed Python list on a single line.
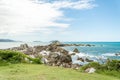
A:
[(54, 55)]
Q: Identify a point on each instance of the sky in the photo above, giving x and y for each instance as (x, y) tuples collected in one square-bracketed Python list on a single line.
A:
[(64, 20)]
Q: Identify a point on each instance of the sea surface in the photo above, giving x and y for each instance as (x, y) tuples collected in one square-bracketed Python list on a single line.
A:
[(103, 49)]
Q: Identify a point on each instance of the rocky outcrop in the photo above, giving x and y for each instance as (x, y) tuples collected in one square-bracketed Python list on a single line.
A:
[(86, 45), (58, 43), (53, 55)]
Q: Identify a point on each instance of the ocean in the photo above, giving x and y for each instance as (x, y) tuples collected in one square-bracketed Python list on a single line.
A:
[(106, 49), (103, 49)]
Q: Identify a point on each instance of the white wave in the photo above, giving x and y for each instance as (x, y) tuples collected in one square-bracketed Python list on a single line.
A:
[(109, 54)]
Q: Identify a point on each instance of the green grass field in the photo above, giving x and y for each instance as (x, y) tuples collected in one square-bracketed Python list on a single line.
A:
[(42, 72)]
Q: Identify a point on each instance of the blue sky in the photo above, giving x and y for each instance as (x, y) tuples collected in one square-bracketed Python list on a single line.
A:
[(99, 20)]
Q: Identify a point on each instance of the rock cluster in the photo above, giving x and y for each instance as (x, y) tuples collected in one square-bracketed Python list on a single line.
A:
[(53, 55), (57, 43), (86, 45)]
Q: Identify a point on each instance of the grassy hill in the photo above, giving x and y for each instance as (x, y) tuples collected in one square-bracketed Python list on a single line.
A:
[(42, 72)]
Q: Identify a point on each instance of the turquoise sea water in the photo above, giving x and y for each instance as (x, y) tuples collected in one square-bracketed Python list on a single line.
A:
[(107, 49)]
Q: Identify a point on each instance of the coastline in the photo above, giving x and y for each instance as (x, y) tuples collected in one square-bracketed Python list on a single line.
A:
[(54, 51)]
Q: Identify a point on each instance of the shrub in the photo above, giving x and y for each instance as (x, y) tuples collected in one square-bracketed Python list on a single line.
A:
[(111, 67), (7, 56), (12, 56), (95, 65), (35, 60)]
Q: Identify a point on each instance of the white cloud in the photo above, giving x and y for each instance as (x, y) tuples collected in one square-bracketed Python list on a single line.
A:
[(79, 4), (26, 16)]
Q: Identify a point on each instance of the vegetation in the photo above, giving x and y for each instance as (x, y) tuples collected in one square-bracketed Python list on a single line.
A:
[(12, 57), (42, 72), (112, 68), (24, 70)]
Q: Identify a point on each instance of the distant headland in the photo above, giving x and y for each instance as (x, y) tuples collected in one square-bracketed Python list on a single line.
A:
[(8, 40)]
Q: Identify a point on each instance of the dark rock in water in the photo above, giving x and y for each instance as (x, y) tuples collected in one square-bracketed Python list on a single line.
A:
[(76, 50), (88, 60), (117, 54), (81, 59)]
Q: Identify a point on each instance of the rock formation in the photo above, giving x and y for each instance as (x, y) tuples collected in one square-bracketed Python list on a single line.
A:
[(52, 54)]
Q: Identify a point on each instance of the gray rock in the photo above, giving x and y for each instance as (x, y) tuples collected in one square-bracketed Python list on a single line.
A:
[(90, 70), (24, 46), (76, 50)]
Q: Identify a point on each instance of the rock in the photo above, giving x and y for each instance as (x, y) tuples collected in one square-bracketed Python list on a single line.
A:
[(75, 66), (117, 54), (81, 59), (52, 54), (24, 46), (44, 60), (59, 59), (55, 42), (76, 50), (44, 53), (90, 70), (27, 51), (88, 60), (72, 53)]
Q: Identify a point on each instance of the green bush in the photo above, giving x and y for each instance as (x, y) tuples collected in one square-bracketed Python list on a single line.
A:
[(7, 56), (95, 65), (35, 60), (111, 67), (12, 56)]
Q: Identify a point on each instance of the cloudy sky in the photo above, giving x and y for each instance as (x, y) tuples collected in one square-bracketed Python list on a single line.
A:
[(64, 20)]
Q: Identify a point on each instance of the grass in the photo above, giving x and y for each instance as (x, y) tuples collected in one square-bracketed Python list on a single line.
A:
[(42, 72)]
